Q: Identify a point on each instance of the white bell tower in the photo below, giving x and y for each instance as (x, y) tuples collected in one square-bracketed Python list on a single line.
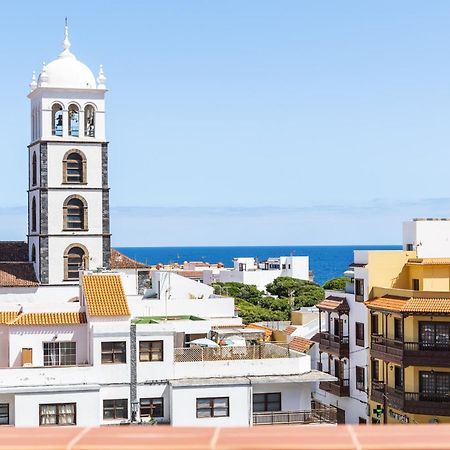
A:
[(68, 195)]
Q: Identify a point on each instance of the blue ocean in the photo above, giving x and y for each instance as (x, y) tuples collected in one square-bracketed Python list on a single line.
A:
[(325, 261)]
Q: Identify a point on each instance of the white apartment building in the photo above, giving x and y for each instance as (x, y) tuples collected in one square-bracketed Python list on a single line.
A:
[(260, 274), (90, 337)]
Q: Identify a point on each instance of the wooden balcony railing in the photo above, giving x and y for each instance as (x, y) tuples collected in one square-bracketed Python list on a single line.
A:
[(336, 345), (341, 387)]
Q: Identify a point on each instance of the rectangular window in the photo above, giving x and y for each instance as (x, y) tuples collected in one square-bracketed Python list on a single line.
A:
[(398, 329), (436, 384), (337, 328), (115, 409), (359, 289), (57, 414), (60, 353), (415, 284), (359, 329), (151, 407), (409, 247), (398, 378), (150, 351), (267, 402), (360, 385), (375, 370), (114, 352), (213, 407), (434, 336), (4, 413), (374, 323)]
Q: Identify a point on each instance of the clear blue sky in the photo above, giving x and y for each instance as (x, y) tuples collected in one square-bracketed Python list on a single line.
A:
[(248, 122)]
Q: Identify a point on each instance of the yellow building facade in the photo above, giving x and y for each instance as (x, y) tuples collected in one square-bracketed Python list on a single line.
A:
[(409, 338)]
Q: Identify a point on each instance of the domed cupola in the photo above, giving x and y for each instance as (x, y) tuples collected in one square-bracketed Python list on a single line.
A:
[(66, 71)]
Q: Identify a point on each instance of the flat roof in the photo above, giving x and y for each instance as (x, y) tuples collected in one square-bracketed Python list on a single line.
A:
[(158, 319)]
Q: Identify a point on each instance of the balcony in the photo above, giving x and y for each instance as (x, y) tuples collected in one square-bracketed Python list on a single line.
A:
[(410, 353), (340, 388), (322, 415), (423, 403), (226, 353), (336, 345), (377, 391)]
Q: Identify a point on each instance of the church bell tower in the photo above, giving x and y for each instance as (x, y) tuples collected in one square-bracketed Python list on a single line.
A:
[(68, 194)]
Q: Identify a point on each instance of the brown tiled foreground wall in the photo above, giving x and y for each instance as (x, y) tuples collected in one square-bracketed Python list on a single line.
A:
[(342, 437)]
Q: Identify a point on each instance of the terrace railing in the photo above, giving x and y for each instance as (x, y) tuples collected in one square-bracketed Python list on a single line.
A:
[(225, 353), (322, 415)]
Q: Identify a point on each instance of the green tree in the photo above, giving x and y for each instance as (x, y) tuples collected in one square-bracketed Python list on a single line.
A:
[(336, 284), (303, 293)]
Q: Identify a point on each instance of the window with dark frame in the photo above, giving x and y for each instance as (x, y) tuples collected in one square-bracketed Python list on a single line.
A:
[(34, 169), (4, 413), (434, 385), (57, 414), (398, 378), (374, 323), (359, 329), (398, 329), (266, 402), (151, 407), (375, 370), (151, 351), (213, 407), (114, 352), (434, 335), (360, 384), (115, 409), (359, 289), (415, 284), (60, 353)]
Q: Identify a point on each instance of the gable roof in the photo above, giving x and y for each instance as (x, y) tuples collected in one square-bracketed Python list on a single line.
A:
[(300, 344), (121, 261), (333, 303), (50, 318), (104, 295), (17, 274), (410, 305), (13, 251)]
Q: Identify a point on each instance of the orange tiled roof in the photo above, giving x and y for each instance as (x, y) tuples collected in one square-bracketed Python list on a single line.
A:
[(300, 344), (50, 318), (428, 261), (17, 274), (8, 316), (289, 330), (190, 273), (332, 303), (120, 261), (104, 295), (410, 305)]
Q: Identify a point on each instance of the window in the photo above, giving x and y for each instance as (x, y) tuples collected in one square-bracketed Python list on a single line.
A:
[(57, 120), (73, 120), (415, 284), (4, 413), (398, 378), (360, 385), (213, 407), (58, 414), (359, 328), (409, 247), (60, 353), (151, 407), (89, 121), (33, 253), (114, 352), (34, 170), (75, 213), (359, 289), (115, 409), (33, 214), (337, 327), (434, 336), (375, 370), (75, 257), (150, 351), (74, 167), (267, 402), (434, 385), (374, 323), (398, 329), (362, 421)]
